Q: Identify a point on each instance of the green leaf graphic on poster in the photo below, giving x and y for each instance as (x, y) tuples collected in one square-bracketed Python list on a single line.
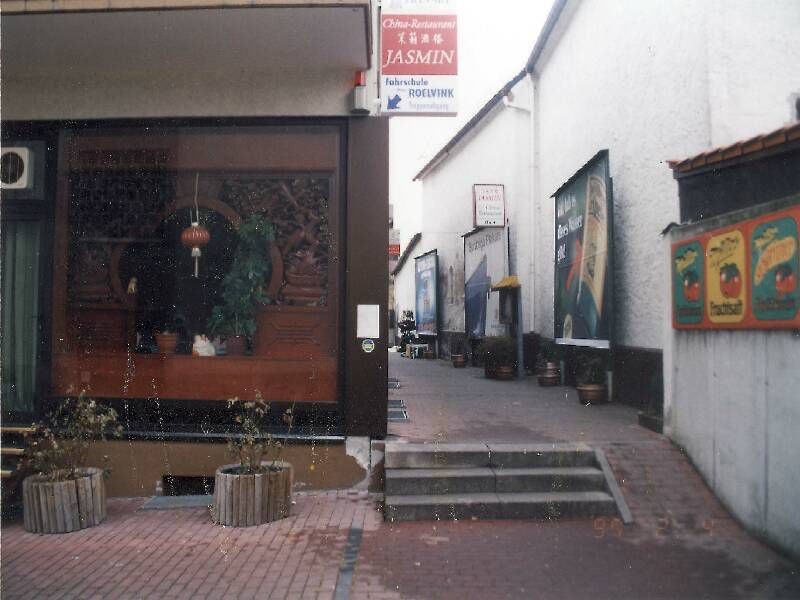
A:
[(687, 283), (775, 270)]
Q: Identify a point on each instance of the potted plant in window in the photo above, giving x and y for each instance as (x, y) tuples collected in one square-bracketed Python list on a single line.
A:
[(549, 373), (63, 494), (591, 378), (499, 357), (256, 489), (244, 286)]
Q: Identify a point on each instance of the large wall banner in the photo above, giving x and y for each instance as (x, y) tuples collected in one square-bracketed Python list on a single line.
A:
[(485, 262), (419, 57), (426, 277), (583, 274)]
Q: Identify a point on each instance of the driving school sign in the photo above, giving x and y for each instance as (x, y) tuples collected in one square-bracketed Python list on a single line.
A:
[(419, 62)]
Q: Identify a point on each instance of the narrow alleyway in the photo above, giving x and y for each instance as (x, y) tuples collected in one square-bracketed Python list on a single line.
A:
[(335, 545)]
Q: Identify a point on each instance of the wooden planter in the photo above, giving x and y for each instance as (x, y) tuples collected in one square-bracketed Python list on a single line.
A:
[(459, 361), (549, 375), (591, 393), (246, 500), (64, 506), (236, 345)]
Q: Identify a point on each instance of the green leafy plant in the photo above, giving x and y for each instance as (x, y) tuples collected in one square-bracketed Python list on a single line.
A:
[(498, 351), (58, 448), (591, 370), (247, 442), (244, 287), (407, 325)]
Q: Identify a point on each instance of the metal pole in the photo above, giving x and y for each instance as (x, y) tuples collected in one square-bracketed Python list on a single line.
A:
[(520, 366)]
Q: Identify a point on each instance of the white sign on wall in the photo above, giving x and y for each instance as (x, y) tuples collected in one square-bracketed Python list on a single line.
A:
[(489, 205)]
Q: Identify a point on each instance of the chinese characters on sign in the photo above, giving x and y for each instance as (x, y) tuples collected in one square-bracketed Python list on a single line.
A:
[(419, 61), (489, 205), (740, 277)]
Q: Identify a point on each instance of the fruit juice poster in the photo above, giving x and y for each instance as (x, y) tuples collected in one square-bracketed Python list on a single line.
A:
[(687, 283), (775, 266), (726, 269)]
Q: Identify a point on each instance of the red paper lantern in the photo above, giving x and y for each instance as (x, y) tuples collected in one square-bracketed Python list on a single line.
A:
[(195, 237)]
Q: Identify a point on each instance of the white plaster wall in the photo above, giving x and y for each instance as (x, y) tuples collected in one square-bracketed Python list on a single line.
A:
[(650, 85), (496, 151), (639, 90), (404, 289), (733, 407), (754, 67)]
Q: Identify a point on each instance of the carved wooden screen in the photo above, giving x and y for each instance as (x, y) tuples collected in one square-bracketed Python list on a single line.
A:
[(124, 201)]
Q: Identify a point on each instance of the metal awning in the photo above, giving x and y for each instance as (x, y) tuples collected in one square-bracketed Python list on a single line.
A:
[(510, 282), (260, 37)]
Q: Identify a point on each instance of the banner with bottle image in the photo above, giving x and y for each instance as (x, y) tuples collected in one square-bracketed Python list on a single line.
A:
[(426, 277), (583, 286), (742, 276)]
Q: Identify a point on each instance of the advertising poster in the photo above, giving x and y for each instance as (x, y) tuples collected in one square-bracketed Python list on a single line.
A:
[(489, 205), (426, 276), (688, 282), (727, 274), (775, 265), (485, 261), (419, 58), (583, 290), (742, 276)]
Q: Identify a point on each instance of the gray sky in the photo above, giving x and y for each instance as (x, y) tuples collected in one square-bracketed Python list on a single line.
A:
[(494, 41)]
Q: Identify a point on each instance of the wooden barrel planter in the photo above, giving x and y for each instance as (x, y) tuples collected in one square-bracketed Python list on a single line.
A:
[(64, 506), (246, 500), (459, 361)]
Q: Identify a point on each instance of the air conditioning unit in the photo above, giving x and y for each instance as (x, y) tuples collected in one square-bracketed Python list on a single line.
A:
[(16, 168)]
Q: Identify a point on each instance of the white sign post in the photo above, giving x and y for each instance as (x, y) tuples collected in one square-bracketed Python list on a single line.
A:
[(489, 205)]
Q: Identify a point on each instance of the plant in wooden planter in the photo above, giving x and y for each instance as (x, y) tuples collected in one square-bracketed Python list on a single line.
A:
[(591, 380), (63, 494), (457, 356), (257, 489), (406, 325), (499, 356), (548, 371), (244, 286)]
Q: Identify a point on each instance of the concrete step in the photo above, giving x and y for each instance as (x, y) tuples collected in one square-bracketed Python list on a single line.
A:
[(549, 479), (435, 456), (550, 505), (487, 480), (479, 455), (439, 481), (10, 451), (522, 456)]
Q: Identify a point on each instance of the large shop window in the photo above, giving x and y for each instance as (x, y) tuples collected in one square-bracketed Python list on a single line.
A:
[(198, 264)]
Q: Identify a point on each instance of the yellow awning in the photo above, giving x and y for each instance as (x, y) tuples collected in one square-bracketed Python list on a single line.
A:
[(507, 283)]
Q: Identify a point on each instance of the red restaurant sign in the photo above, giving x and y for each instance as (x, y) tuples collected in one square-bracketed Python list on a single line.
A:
[(419, 63)]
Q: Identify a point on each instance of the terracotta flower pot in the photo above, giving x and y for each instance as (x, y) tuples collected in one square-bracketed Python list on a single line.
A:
[(505, 373), (235, 345), (459, 361), (430, 354), (591, 393), (166, 343)]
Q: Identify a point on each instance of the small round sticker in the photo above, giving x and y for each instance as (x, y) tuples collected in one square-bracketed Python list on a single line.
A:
[(368, 345)]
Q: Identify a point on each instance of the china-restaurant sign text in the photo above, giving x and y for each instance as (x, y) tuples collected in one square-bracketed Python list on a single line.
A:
[(419, 59)]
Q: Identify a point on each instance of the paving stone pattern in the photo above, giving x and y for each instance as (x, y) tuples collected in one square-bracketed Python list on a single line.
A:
[(683, 543)]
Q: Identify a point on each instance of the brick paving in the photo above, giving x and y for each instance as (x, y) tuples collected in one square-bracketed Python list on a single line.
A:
[(683, 543)]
